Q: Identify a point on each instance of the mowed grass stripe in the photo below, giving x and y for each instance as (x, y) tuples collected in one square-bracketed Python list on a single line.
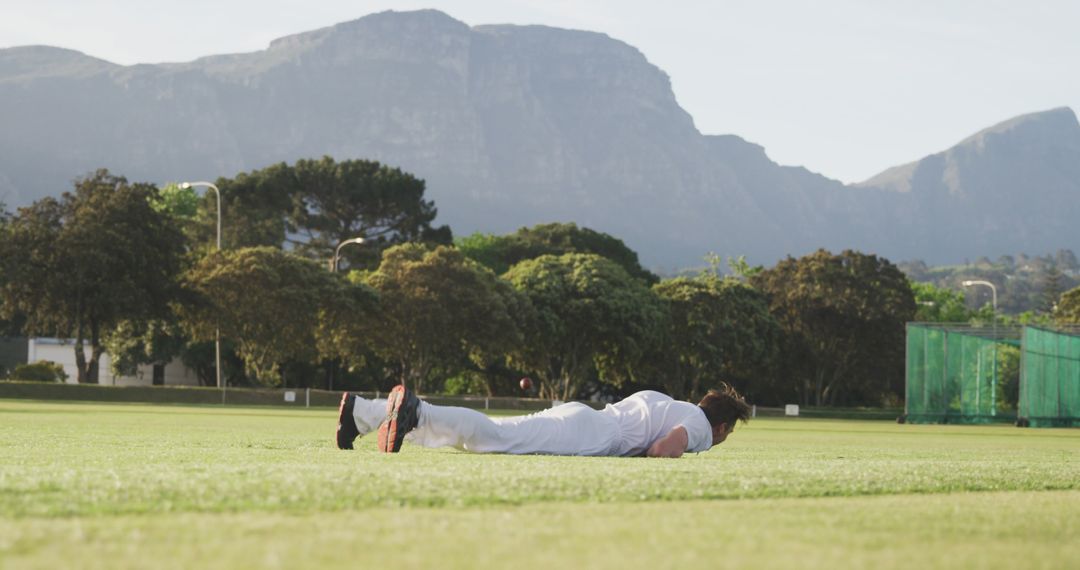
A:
[(71, 459), (963, 530)]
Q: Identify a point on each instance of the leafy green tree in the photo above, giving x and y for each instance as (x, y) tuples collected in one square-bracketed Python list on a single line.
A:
[(336, 201), (718, 330), (742, 270), (844, 317), (79, 266), (939, 305), (314, 205), (12, 324), (1068, 309), (1051, 289), (156, 342), (442, 311), (491, 251), (592, 316), (1008, 377), (254, 209), (270, 304), (499, 253)]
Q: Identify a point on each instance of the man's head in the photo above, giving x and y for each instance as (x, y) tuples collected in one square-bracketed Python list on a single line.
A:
[(723, 407)]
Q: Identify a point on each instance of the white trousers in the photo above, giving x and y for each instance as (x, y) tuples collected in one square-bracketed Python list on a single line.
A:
[(569, 429)]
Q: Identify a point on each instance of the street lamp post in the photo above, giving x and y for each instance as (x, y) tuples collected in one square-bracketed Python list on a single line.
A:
[(217, 331), (334, 267), (993, 290), (337, 251), (993, 392)]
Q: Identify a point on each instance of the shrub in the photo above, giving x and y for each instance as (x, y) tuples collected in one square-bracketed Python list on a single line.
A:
[(43, 371)]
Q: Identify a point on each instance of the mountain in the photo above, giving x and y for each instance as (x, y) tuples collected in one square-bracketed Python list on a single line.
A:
[(1012, 187), (509, 126)]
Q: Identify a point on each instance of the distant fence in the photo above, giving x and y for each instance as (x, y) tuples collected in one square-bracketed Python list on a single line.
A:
[(289, 397), (305, 397)]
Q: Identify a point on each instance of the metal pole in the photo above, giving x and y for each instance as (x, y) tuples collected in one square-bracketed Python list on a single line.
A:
[(217, 330), (333, 268)]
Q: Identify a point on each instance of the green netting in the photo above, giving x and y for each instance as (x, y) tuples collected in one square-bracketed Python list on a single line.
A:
[(1050, 381), (960, 374)]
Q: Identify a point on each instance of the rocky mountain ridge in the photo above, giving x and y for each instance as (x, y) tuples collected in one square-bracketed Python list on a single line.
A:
[(517, 125)]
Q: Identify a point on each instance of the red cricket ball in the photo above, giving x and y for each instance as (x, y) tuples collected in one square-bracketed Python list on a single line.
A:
[(525, 383)]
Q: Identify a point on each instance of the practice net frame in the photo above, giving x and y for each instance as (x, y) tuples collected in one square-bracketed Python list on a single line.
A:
[(954, 372), (1050, 377)]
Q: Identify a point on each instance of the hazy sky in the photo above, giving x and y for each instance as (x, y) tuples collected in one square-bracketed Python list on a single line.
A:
[(843, 87)]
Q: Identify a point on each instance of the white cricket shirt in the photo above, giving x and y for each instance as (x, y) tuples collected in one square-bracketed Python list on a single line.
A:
[(645, 417)]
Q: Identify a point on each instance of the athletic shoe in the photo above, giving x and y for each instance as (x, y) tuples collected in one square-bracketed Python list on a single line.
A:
[(402, 415), (346, 425)]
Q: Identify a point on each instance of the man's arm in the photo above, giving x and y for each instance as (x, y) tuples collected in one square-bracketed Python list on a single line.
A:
[(671, 445)]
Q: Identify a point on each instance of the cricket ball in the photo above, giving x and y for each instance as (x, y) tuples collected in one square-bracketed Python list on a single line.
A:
[(525, 383)]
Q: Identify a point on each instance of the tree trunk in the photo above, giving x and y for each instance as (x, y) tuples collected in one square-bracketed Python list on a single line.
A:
[(95, 353), (80, 358)]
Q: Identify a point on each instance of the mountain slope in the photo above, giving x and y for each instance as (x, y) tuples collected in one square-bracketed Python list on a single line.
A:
[(509, 126), (1012, 187)]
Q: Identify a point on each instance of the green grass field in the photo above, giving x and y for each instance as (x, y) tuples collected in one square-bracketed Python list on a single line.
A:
[(134, 486)]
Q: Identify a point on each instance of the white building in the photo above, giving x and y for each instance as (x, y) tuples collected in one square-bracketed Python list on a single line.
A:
[(62, 352)]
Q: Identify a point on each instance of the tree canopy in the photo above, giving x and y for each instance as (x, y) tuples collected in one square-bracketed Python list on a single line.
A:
[(270, 304), (440, 311), (940, 305), (717, 330), (500, 253), (844, 318), (78, 266), (313, 205), (592, 318), (1068, 308)]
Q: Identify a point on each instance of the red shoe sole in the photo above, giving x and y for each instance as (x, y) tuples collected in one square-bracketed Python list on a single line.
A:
[(340, 409), (388, 429)]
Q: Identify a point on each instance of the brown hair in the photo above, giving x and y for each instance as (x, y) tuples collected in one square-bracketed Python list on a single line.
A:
[(724, 406)]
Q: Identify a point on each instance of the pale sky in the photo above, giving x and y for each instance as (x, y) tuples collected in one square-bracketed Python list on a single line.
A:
[(846, 88)]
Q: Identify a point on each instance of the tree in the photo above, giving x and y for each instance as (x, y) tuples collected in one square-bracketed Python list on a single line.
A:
[(1068, 309), (155, 342), (499, 253), (1051, 289), (254, 209), (441, 311), (939, 304), (12, 324), (158, 342), (1066, 260), (271, 304), (336, 201), (718, 330), (844, 318), (79, 266), (592, 316), (316, 204)]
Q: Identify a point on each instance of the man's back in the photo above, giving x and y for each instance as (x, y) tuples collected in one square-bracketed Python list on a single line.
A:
[(646, 416)]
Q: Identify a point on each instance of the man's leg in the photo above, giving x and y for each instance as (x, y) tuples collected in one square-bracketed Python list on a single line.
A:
[(368, 414), (452, 426), (569, 429)]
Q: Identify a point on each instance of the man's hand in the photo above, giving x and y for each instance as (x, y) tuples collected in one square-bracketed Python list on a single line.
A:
[(671, 445)]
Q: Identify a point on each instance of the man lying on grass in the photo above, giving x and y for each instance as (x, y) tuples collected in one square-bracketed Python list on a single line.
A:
[(645, 424)]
